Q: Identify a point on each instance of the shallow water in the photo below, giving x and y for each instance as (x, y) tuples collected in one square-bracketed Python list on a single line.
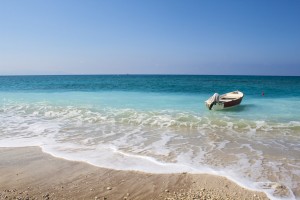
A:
[(159, 124)]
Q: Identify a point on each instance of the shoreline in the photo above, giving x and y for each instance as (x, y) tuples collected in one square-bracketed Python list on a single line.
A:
[(29, 173)]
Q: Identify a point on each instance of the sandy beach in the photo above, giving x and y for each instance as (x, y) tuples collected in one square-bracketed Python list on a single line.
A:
[(142, 100), (28, 173)]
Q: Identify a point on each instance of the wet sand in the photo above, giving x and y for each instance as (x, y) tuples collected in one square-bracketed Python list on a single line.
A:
[(28, 173)]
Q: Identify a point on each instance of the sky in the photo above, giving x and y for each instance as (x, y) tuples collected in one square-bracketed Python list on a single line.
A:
[(224, 37)]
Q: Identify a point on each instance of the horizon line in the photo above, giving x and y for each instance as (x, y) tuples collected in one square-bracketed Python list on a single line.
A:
[(140, 74)]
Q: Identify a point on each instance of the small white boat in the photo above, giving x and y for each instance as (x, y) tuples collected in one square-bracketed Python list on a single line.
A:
[(228, 100)]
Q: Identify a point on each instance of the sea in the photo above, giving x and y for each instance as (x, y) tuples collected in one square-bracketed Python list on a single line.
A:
[(160, 124)]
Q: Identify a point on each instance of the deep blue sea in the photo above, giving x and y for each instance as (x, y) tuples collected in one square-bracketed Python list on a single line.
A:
[(159, 124)]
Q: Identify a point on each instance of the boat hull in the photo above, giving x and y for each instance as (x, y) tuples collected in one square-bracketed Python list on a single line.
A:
[(233, 103)]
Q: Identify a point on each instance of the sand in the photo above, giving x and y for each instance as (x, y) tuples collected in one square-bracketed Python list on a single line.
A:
[(28, 173)]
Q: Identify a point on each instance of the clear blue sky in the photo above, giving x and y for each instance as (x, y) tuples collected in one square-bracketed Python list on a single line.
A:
[(150, 37)]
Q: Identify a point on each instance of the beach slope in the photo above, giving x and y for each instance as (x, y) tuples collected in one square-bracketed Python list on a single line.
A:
[(28, 173)]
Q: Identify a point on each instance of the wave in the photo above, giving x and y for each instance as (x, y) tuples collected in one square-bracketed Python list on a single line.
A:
[(159, 119), (258, 154)]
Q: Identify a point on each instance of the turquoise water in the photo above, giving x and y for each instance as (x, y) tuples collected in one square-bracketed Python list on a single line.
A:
[(159, 124)]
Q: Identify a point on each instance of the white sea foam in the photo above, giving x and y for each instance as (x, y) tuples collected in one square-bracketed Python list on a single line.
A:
[(253, 153)]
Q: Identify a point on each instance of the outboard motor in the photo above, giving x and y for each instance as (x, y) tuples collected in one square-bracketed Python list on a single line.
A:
[(212, 101)]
